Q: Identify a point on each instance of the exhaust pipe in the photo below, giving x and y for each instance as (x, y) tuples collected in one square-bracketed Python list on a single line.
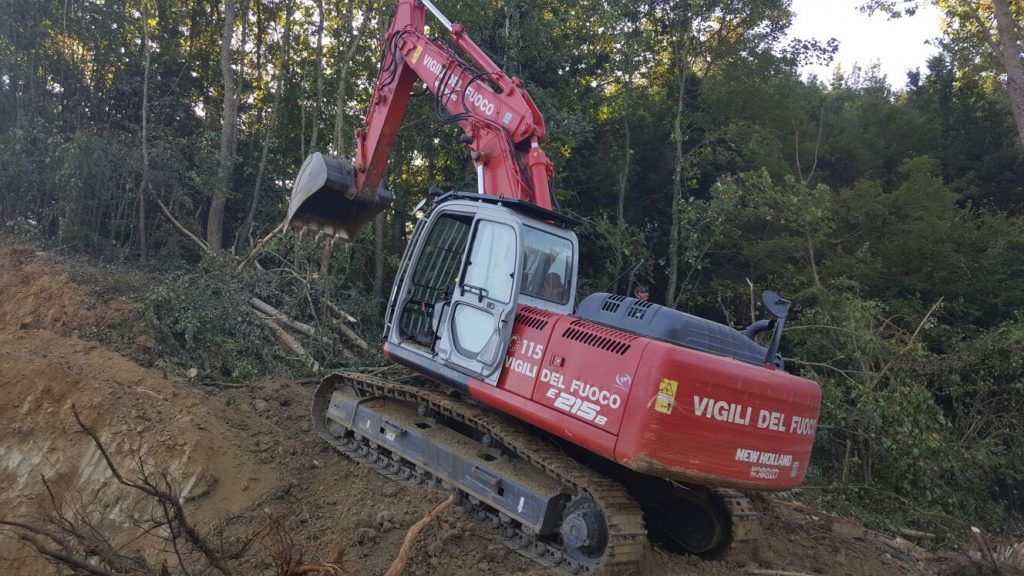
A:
[(325, 199)]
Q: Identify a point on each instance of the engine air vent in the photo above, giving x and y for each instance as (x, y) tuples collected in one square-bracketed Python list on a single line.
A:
[(612, 304), (600, 337), (638, 309), (533, 317)]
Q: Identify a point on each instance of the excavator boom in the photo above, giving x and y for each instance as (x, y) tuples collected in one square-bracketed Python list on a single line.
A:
[(501, 127)]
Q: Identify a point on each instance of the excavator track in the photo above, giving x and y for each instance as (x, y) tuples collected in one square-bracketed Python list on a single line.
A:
[(626, 535)]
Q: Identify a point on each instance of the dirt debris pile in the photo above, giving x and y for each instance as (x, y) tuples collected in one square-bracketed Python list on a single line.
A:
[(39, 295)]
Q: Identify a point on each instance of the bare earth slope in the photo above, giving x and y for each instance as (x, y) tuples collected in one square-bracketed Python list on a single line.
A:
[(244, 454)]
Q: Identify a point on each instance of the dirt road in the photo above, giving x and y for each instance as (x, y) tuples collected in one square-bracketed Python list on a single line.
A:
[(244, 454)]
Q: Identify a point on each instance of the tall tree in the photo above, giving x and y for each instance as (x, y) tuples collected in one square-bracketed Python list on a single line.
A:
[(995, 26), (319, 76), (346, 52), (145, 144), (706, 36), (245, 233), (681, 64), (228, 133), (1010, 50)]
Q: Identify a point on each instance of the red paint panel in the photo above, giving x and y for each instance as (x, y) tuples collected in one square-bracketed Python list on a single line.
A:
[(679, 413), (594, 373), (694, 416), (552, 421), (526, 350)]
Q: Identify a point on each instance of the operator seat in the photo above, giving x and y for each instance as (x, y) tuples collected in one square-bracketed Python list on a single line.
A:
[(554, 288)]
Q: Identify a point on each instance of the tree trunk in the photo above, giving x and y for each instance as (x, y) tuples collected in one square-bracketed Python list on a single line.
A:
[(677, 172), (621, 208), (345, 62), (812, 261), (228, 133), (240, 74), (1010, 50), (143, 248), (282, 71), (258, 48), (319, 77), (379, 223), (398, 220)]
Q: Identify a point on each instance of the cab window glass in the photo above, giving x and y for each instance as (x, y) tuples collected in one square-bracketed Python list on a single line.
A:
[(547, 266), (492, 258)]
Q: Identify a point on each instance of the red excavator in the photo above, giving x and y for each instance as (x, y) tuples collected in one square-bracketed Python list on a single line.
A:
[(575, 430)]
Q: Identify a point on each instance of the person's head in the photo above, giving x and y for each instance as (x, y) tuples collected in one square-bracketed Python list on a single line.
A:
[(554, 289), (641, 292)]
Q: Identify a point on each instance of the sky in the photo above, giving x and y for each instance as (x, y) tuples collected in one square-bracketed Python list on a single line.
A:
[(898, 45)]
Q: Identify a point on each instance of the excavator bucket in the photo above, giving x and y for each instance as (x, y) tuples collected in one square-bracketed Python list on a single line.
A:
[(325, 199)]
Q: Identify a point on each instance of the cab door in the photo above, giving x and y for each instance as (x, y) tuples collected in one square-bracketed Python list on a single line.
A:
[(478, 324)]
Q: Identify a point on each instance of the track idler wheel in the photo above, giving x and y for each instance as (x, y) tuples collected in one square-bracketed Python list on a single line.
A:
[(690, 521), (584, 532)]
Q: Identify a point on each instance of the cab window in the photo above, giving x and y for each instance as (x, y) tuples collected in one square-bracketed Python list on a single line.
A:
[(547, 266)]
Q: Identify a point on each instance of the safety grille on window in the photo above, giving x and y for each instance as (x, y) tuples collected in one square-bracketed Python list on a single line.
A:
[(533, 317), (607, 339)]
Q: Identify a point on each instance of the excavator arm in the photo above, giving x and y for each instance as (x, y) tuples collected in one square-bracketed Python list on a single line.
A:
[(502, 128)]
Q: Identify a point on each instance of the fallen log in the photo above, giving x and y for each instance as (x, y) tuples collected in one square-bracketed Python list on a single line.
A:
[(306, 329), (283, 318), (289, 342), (344, 315), (351, 336), (269, 311), (911, 534)]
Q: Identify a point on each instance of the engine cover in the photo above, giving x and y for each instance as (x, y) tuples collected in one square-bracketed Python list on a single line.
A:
[(657, 407)]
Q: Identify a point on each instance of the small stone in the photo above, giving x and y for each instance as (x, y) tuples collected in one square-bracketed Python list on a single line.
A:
[(847, 528), (261, 405), (365, 536), (304, 427), (192, 373), (384, 517)]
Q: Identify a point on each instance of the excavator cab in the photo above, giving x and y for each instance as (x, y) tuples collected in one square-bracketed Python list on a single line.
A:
[(471, 261)]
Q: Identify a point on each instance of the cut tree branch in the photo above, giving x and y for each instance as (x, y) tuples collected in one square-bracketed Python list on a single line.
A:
[(410, 538), (203, 245)]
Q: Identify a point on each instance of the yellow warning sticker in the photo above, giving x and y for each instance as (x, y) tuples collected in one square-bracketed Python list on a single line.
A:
[(666, 396), (416, 54)]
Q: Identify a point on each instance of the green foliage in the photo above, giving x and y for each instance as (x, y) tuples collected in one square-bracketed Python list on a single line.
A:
[(202, 319), (600, 238)]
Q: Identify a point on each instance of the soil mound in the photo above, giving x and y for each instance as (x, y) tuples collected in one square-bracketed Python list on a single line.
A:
[(137, 413), (38, 294)]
